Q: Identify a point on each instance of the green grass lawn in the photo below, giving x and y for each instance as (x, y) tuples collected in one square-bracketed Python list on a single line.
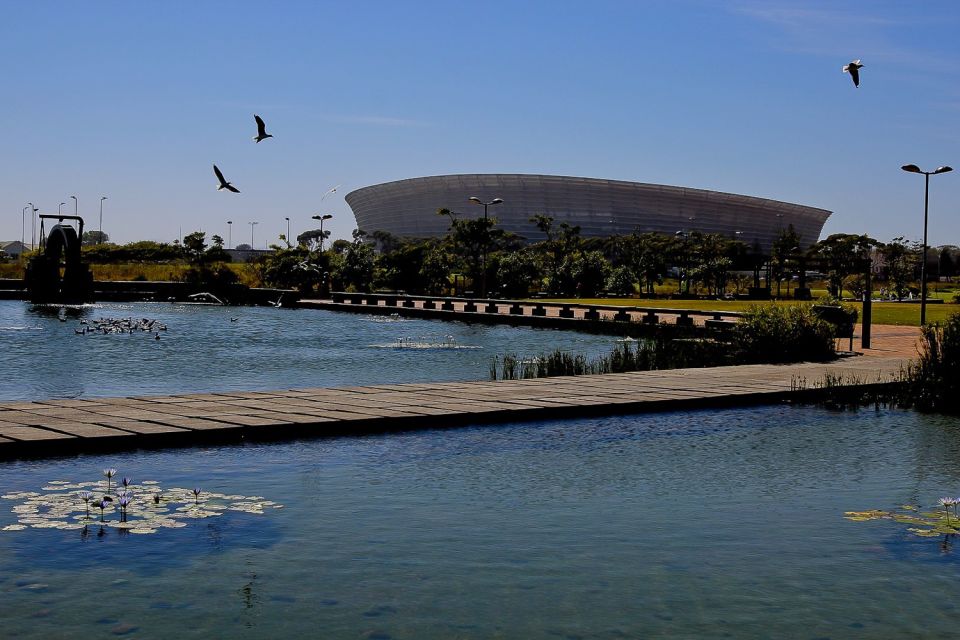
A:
[(896, 313)]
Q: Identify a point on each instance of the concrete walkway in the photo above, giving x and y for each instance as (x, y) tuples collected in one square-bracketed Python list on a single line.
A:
[(54, 427)]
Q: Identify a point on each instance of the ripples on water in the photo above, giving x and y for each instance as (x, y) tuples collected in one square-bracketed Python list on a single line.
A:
[(688, 524), (248, 348)]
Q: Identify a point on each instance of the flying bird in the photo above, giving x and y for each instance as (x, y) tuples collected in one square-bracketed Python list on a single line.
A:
[(333, 190), (223, 182), (261, 130), (854, 70)]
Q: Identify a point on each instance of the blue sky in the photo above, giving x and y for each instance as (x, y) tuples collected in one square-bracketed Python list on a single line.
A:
[(136, 101)]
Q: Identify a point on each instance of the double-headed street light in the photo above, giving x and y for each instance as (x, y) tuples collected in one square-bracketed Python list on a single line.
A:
[(912, 168), (476, 200), (325, 216)]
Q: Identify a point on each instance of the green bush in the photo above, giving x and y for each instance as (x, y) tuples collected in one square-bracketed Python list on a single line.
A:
[(774, 334), (935, 380)]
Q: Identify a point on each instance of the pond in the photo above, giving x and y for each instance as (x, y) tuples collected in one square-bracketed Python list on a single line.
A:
[(689, 524), (207, 349)]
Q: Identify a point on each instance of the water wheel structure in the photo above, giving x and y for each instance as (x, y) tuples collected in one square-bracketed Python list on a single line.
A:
[(57, 275)]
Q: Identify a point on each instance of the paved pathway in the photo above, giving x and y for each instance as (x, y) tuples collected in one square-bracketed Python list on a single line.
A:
[(52, 427)]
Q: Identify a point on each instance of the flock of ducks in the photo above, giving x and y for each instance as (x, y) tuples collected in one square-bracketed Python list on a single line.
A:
[(105, 326), (261, 135)]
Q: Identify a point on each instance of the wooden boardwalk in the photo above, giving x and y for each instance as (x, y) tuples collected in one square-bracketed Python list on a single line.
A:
[(56, 427)]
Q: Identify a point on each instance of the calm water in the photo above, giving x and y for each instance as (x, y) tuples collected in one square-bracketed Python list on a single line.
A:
[(690, 525), (249, 348)]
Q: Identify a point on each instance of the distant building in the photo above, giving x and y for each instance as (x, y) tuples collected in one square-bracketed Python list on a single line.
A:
[(13, 248), (407, 208), (246, 255)]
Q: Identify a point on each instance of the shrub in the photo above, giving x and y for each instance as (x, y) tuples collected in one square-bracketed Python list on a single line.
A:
[(774, 333), (935, 380)]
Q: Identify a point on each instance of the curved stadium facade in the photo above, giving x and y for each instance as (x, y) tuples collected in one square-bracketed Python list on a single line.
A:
[(407, 208)]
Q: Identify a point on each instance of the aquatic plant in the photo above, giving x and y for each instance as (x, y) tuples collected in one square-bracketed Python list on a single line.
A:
[(926, 524), (57, 507), (86, 496), (126, 482), (109, 473)]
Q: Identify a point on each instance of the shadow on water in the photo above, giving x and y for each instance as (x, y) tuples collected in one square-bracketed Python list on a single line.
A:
[(99, 546)]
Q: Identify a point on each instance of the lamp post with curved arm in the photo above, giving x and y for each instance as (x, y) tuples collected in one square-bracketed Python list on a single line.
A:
[(252, 225), (912, 168), (287, 237), (229, 234), (486, 238), (76, 205)]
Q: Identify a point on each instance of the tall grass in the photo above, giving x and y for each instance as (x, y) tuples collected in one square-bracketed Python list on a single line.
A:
[(647, 355), (934, 382)]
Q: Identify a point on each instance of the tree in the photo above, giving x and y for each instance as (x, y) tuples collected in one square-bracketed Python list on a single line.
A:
[(472, 240), (646, 255), (842, 255), (195, 244), (901, 263), (589, 270), (357, 267), (557, 252), (312, 239), (786, 244), (91, 238), (620, 281), (517, 272)]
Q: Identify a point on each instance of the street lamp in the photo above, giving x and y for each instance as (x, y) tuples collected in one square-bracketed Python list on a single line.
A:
[(912, 168), (288, 232), (476, 200), (33, 225), (75, 205), (102, 198), (252, 225), (325, 216), (23, 226), (60, 209), (229, 234), (683, 263)]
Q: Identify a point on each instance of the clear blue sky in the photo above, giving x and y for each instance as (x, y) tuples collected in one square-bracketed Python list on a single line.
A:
[(136, 101)]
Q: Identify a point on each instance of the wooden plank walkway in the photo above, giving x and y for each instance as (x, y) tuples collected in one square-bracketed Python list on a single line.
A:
[(57, 427)]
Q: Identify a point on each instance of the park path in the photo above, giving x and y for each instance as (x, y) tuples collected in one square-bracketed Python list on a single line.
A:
[(56, 427)]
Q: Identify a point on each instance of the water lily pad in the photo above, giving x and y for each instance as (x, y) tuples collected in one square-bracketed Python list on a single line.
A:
[(14, 527)]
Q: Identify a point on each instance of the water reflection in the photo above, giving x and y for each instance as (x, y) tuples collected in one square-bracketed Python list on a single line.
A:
[(248, 348)]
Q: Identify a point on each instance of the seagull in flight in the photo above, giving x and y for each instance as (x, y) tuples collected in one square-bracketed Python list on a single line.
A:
[(223, 182), (261, 130), (854, 70), (333, 190)]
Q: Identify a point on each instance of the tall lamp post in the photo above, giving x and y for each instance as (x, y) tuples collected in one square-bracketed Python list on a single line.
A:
[(683, 263), (102, 198), (252, 225), (229, 234), (288, 232), (476, 200), (912, 168), (23, 226), (76, 205), (325, 216), (60, 209), (33, 225)]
